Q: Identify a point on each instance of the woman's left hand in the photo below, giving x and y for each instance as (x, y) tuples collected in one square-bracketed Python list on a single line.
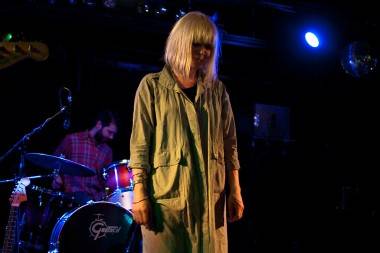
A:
[(235, 206)]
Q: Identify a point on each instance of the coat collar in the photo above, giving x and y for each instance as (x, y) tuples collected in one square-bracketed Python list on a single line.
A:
[(167, 79)]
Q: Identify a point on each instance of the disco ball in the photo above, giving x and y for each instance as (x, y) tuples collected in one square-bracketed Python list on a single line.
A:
[(358, 59)]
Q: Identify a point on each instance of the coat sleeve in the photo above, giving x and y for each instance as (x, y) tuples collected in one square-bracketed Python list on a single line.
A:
[(142, 126), (229, 133)]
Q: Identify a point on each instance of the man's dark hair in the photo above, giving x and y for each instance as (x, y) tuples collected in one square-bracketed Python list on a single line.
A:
[(106, 117)]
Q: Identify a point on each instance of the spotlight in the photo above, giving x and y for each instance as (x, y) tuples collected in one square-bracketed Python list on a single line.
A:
[(161, 11), (311, 39), (180, 13), (146, 8), (90, 3)]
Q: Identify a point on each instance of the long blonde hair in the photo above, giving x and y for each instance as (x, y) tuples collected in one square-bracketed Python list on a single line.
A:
[(194, 27)]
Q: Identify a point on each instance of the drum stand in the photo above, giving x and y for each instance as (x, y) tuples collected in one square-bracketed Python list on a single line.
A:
[(132, 245), (21, 147)]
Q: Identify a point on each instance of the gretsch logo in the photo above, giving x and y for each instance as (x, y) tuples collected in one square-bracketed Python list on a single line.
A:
[(99, 228)]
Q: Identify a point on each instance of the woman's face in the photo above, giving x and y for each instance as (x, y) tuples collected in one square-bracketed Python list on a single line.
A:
[(201, 54)]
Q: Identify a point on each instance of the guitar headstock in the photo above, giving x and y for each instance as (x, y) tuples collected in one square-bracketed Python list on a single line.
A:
[(19, 192), (13, 52)]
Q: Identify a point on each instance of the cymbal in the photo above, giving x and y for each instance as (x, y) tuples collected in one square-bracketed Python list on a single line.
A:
[(63, 165)]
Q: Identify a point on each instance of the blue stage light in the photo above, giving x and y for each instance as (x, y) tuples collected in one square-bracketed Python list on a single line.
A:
[(312, 39)]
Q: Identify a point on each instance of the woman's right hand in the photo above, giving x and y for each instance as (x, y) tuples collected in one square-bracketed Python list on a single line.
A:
[(141, 207)]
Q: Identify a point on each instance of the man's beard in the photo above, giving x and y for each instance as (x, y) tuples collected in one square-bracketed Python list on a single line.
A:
[(99, 138)]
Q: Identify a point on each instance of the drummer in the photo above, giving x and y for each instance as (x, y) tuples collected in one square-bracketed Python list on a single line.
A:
[(90, 149)]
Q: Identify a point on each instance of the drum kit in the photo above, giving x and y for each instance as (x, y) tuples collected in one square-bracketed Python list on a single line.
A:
[(61, 223), (43, 220)]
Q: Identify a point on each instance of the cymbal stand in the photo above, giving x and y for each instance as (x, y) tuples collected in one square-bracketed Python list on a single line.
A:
[(14, 180)]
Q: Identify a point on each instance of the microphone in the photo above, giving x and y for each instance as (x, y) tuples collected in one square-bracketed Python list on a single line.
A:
[(67, 113)]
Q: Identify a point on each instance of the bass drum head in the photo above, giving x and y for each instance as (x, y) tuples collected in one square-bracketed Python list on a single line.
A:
[(98, 227)]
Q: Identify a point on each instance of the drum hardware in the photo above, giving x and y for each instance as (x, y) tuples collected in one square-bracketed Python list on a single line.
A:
[(75, 198), (134, 237), (27, 246), (40, 200), (30, 178), (52, 193)]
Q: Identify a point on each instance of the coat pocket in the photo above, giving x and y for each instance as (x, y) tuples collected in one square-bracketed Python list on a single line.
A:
[(218, 170), (166, 175)]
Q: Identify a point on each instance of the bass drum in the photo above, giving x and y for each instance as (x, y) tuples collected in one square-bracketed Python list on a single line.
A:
[(97, 227)]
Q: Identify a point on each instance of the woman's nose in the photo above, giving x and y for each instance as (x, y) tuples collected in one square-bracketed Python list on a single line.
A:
[(203, 51)]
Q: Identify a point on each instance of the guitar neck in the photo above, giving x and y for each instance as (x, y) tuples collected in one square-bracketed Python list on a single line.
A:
[(10, 231), (13, 52)]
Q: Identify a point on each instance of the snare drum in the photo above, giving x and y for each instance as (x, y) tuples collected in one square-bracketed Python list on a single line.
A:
[(118, 175), (97, 227)]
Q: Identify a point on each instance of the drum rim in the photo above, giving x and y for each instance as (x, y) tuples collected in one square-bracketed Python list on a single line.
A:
[(89, 204), (119, 162), (120, 190)]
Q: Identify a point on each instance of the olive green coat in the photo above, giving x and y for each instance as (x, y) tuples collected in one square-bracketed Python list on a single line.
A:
[(186, 149)]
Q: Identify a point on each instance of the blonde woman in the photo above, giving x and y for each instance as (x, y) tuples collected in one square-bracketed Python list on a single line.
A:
[(183, 146)]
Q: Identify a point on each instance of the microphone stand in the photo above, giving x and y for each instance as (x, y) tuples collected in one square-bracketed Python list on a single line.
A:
[(21, 146)]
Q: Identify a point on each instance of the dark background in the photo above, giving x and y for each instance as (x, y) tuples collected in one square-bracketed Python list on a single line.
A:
[(313, 192)]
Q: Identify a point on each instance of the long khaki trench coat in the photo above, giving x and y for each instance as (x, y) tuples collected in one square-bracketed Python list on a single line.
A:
[(186, 149)]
